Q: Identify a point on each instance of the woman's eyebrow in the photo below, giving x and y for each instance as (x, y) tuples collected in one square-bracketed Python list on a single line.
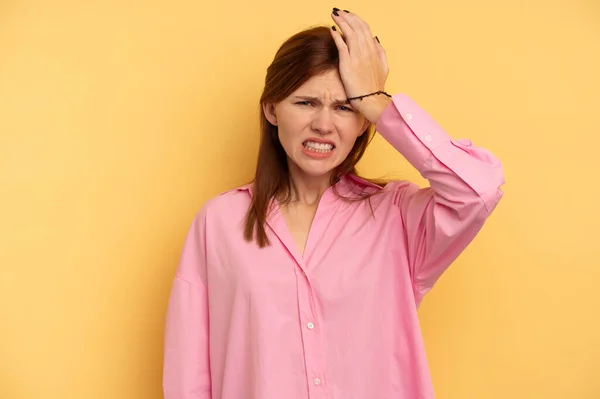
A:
[(315, 99)]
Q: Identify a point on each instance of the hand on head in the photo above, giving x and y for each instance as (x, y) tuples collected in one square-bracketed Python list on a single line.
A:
[(363, 63)]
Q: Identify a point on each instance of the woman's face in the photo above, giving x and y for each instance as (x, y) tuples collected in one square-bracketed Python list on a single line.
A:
[(317, 129)]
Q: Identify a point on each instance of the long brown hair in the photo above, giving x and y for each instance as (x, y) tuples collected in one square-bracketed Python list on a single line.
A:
[(304, 55)]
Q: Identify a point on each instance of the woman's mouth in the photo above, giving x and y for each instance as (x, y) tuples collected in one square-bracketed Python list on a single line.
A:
[(321, 148)]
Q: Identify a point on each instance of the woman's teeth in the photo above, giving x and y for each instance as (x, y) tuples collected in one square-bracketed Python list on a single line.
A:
[(318, 147)]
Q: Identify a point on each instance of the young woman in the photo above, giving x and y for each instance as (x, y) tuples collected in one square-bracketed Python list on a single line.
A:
[(305, 283)]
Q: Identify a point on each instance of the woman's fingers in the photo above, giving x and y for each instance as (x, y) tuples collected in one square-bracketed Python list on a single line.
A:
[(346, 29), (358, 24), (339, 42), (354, 28)]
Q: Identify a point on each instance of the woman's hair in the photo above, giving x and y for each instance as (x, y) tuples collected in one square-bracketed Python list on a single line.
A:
[(306, 54)]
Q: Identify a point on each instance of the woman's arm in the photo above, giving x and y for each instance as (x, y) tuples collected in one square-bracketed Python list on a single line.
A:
[(186, 373), (441, 220)]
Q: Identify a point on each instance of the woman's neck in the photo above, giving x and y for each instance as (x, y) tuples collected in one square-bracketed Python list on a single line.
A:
[(308, 190)]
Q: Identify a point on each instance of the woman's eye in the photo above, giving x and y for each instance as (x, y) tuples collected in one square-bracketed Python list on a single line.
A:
[(303, 103), (346, 108)]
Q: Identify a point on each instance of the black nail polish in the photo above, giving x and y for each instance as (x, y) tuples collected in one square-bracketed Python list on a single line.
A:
[(347, 11), (335, 9), (336, 14), (376, 38), (333, 27)]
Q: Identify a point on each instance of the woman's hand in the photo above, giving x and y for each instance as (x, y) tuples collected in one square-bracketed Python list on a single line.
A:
[(363, 64)]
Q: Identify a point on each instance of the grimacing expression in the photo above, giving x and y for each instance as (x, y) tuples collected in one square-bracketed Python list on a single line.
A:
[(316, 127)]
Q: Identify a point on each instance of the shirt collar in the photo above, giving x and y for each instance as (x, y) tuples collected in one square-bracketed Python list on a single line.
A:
[(346, 185)]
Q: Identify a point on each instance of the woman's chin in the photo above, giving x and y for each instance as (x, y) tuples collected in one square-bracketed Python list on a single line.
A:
[(315, 168)]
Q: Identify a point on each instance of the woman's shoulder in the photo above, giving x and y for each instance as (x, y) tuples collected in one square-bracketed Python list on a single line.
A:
[(228, 205), (381, 187)]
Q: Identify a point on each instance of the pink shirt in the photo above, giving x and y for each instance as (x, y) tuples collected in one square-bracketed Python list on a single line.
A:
[(341, 321)]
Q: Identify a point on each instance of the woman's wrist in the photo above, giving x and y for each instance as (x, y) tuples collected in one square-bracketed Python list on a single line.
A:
[(372, 107)]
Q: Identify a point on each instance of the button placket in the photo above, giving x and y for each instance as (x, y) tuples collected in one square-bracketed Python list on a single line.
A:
[(313, 353)]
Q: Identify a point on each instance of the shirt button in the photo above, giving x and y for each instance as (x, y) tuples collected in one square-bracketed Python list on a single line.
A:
[(317, 381), (428, 137), (310, 326), (408, 116)]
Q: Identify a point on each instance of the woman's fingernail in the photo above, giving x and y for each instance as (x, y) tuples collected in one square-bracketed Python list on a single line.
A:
[(347, 11), (335, 9), (333, 27), (336, 14), (376, 38)]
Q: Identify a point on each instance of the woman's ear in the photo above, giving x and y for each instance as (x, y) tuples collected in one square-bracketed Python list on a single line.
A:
[(269, 111), (364, 127)]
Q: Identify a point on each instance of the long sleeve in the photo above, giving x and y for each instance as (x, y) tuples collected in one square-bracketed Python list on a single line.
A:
[(186, 372), (440, 220)]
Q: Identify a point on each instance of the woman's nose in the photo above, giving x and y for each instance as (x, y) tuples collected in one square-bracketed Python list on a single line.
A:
[(323, 122)]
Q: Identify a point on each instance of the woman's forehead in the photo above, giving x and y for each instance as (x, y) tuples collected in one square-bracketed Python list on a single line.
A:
[(327, 86)]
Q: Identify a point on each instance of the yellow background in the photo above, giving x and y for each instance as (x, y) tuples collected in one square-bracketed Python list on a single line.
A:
[(119, 119)]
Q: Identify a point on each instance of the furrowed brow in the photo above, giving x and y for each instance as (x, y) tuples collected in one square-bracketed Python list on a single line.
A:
[(316, 100)]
